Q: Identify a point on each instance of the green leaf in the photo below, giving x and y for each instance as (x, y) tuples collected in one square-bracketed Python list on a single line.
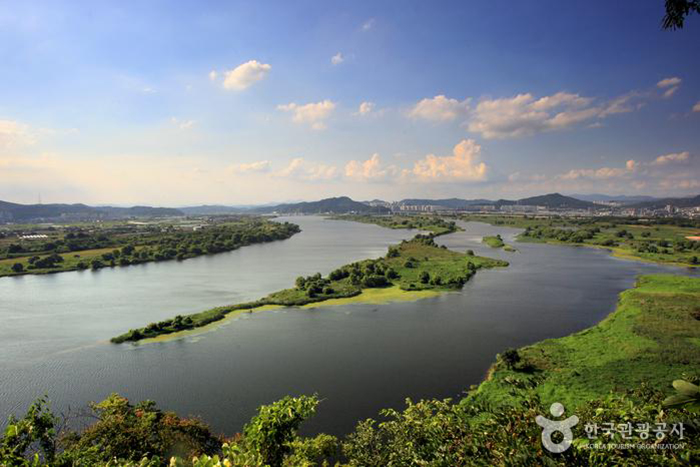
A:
[(677, 399), (686, 388)]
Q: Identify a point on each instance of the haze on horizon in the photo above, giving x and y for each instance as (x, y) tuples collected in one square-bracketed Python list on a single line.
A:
[(244, 103)]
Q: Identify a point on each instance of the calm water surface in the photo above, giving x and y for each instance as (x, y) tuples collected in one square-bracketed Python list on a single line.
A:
[(358, 358)]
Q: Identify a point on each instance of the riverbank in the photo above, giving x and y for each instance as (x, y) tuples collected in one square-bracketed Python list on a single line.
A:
[(649, 240), (409, 269), (88, 247), (652, 337)]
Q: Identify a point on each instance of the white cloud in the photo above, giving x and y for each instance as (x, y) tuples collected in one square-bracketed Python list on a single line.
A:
[(313, 114), (244, 75), (671, 158), (14, 133), (367, 25), (252, 167), (523, 114), (337, 59), (670, 85), (182, 124), (213, 75), (300, 169), (463, 165), (368, 170), (367, 107), (696, 107), (439, 109), (669, 82)]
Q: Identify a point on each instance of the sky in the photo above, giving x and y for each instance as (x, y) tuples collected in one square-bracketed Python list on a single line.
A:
[(208, 102)]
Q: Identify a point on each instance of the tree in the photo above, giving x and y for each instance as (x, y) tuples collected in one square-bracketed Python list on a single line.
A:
[(17, 267), (425, 277), (510, 357), (677, 11), (271, 432)]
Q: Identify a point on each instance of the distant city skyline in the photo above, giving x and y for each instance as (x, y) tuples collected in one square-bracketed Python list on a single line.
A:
[(243, 103)]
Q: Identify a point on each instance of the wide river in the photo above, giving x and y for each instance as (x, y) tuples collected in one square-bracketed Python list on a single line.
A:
[(358, 358)]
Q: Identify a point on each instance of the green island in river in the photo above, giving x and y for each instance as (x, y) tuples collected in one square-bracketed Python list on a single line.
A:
[(415, 267), (665, 241), (95, 246)]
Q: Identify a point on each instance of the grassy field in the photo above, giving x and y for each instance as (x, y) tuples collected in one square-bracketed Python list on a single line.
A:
[(653, 336), (411, 270), (636, 239), (433, 224)]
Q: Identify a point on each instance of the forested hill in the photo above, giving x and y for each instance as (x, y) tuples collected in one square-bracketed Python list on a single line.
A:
[(29, 212), (340, 205), (555, 200)]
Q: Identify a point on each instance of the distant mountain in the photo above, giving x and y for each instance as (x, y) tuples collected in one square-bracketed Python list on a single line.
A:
[(27, 212), (556, 200), (451, 203), (619, 198), (676, 202), (209, 210), (340, 205)]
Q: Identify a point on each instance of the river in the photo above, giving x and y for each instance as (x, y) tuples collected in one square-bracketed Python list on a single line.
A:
[(357, 358)]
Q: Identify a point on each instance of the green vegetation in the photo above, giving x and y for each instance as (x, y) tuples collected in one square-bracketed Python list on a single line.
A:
[(652, 337), (433, 224), (494, 242), (88, 246), (415, 265), (658, 240)]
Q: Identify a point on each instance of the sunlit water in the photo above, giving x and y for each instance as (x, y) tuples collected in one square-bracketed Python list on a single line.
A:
[(358, 358)]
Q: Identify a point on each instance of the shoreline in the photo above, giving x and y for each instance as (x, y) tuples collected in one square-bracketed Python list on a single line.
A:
[(383, 296), (648, 320)]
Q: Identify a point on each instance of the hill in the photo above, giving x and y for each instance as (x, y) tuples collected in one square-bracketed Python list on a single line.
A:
[(339, 205), (16, 212), (556, 200), (677, 202)]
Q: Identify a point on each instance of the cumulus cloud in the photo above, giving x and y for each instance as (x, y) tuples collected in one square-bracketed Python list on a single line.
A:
[(301, 169), (252, 167), (369, 170), (367, 107), (462, 165), (524, 114), (672, 158), (213, 75), (669, 82), (439, 109), (696, 107), (244, 75), (313, 114), (337, 59)]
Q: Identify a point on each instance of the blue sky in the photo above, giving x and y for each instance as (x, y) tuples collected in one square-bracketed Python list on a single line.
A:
[(245, 102)]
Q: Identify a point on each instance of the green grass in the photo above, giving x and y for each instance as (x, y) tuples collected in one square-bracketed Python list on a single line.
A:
[(651, 337), (418, 265), (493, 242), (644, 240)]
